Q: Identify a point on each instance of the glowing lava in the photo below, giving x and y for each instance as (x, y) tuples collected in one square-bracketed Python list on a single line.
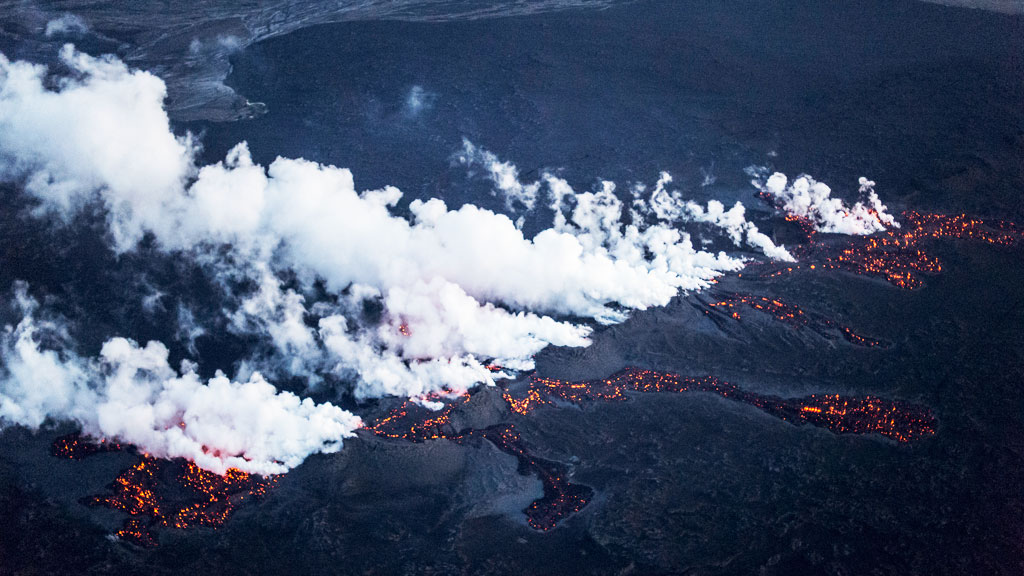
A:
[(75, 447), (177, 494), (424, 424), (162, 493), (899, 421), (728, 306), (168, 493), (898, 255), (561, 498)]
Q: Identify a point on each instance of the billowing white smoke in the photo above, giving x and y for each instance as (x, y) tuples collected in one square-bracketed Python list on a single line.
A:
[(445, 279), (103, 130), (38, 383), (664, 206), (457, 290), (669, 206), (132, 394), (812, 200)]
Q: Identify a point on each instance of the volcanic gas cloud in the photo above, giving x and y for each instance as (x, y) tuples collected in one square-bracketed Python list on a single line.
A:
[(298, 255)]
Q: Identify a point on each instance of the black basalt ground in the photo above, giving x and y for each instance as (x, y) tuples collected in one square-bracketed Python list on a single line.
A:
[(926, 100)]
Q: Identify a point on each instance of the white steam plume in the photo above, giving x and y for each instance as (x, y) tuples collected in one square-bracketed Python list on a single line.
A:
[(812, 200), (131, 394), (103, 130), (504, 176), (65, 24), (458, 289), (666, 205)]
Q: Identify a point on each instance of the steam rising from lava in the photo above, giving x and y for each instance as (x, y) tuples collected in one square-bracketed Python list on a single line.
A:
[(131, 393), (447, 276), (660, 205), (812, 201), (458, 289)]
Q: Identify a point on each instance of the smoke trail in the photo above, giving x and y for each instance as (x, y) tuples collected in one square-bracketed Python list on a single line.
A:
[(454, 290), (669, 206), (661, 205), (132, 394), (504, 176), (444, 277), (811, 200)]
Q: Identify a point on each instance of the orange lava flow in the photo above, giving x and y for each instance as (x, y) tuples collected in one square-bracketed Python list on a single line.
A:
[(218, 495), (898, 255), (900, 421), (177, 494), (561, 498), (169, 493), (133, 491), (728, 307), (426, 425), (76, 447)]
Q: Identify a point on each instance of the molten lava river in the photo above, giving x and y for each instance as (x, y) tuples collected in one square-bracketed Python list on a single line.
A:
[(161, 494)]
